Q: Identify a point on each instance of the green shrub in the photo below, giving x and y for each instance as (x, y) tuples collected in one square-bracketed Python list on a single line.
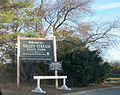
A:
[(83, 67)]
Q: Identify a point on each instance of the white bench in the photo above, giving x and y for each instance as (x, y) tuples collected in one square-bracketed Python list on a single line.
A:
[(38, 88)]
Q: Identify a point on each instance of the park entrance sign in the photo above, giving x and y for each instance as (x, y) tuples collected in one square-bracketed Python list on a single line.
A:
[(35, 50)]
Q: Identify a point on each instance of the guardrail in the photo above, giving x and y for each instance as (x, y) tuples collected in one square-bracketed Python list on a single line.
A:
[(38, 88)]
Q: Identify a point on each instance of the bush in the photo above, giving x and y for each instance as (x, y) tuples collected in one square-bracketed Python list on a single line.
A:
[(83, 67), (28, 70), (8, 72)]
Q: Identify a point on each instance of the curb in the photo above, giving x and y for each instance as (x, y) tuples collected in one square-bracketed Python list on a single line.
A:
[(99, 89)]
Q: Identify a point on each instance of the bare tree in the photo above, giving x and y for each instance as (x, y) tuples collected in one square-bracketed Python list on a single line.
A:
[(103, 33), (67, 15), (65, 11)]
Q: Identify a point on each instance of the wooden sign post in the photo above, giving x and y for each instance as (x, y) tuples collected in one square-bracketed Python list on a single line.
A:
[(35, 50), (55, 60), (18, 61)]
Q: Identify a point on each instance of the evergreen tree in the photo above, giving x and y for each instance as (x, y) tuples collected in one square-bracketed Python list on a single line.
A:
[(81, 65)]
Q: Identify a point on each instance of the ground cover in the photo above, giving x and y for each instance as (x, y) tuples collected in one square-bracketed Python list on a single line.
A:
[(25, 89)]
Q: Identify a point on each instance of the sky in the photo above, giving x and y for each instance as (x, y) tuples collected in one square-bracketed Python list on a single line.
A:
[(108, 10)]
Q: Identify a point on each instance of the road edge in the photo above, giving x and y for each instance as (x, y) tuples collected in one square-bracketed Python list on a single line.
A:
[(91, 90)]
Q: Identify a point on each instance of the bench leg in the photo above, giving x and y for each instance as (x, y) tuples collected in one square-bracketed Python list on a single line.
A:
[(38, 89), (64, 87)]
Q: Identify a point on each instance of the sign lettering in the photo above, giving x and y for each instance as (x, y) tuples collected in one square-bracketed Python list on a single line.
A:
[(36, 50)]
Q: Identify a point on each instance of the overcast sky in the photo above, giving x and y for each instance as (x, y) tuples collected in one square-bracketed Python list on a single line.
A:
[(108, 10)]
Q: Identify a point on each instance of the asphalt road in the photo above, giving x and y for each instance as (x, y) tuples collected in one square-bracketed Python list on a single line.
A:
[(103, 91)]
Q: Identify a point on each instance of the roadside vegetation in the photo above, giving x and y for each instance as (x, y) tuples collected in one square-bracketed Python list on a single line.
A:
[(75, 38)]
